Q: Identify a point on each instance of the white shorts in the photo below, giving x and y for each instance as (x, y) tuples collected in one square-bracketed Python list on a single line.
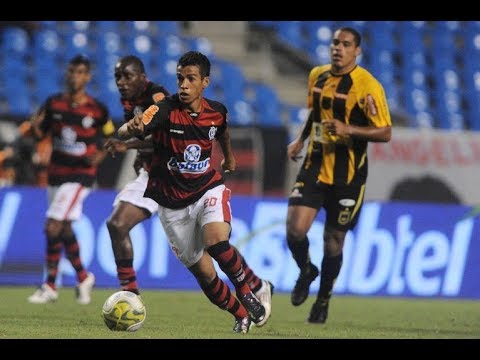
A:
[(183, 227), (133, 193), (66, 201)]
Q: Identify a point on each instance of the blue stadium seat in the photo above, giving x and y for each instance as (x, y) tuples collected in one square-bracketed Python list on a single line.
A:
[(141, 45), (266, 104), (168, 28), (168, 47), (108, 43), (17, 93), (46, 47), (229, 79), (381, 36), (291, 33), (14, 41), (201, 44), (240, 113), (106, 26), (298, 115), (77, 43), (318, 37), (141, 27), (168, 74), (449, 110)]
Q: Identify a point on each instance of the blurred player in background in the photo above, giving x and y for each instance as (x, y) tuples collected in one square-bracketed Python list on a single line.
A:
[(194, 206), (348, 109), (77, 123), (130, 207)]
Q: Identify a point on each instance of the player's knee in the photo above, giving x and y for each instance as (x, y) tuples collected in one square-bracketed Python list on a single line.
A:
[(117, 226), (53, 228), (295, 234)]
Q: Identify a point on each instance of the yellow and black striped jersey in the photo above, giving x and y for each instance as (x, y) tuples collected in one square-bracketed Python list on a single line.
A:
[(355, 98)]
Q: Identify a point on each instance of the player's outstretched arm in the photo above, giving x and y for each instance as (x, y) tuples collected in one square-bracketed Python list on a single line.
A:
[(133, 127)]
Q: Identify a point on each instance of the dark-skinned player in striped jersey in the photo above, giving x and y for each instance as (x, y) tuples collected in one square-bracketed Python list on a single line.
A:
[(348, 110), (130, 207)]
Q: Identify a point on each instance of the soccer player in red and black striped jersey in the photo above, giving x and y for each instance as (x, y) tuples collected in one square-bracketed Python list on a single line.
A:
[(194, 205), (348, 109), (78, 125), (130, 207)]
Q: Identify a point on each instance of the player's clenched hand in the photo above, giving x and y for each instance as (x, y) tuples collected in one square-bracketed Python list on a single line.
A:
[(228, 165), (135, 125)]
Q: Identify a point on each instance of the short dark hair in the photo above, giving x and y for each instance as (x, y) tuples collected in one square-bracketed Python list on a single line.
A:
[(356, 35), (134, 60), (80, 59), (198, 59)]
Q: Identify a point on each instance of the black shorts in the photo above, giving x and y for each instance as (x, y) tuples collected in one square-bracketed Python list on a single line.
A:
[(342, 203)]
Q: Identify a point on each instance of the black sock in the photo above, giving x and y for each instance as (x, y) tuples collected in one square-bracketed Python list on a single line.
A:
[(299, 251), (330, 269)]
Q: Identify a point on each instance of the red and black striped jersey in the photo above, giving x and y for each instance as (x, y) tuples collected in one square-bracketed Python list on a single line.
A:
[(181, 171), (77, 132), (149, 96), (140, 104)]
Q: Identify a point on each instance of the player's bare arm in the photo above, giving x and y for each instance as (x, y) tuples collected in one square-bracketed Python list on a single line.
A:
[(114, 146), (35, 122), (369, 133), (296, 146), (228, 163)]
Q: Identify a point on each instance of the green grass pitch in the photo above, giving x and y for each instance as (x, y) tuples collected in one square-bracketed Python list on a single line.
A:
[(189, 315)]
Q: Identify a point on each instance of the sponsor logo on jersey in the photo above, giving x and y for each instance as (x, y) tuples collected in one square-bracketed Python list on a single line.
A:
[(87, 121), (372, 107), (192, 163), (212, 132), (149, 113)]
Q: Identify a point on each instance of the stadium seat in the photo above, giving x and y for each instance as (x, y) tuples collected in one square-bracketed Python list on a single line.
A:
[(14, 41), (266, 104), (318, 37), (298, 115), (201, 44), (228, 77), (168, 28), (240, 113), (17, 93), (77, 43), (291, 33)]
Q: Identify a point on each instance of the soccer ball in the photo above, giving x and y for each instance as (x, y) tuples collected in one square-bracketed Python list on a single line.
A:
[(124, 311)]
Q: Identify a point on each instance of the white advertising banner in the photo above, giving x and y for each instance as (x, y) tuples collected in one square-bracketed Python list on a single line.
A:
[(425, 165)]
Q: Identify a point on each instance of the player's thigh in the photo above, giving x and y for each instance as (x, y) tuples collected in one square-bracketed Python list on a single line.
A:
[(127, 215), (214, 215), (182, 234), (300, 219), (343, 206)]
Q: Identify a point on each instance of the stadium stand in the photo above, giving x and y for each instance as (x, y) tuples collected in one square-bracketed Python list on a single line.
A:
[(430, 69)]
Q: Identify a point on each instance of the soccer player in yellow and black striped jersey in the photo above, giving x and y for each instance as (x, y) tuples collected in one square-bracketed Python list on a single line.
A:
[(348, 109)]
